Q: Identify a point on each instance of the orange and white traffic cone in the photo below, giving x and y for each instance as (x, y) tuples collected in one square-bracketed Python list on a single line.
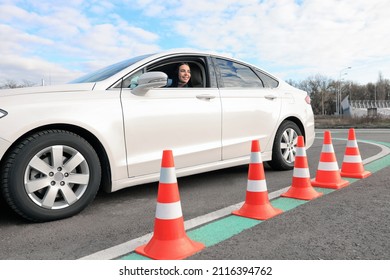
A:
[(169, 240), (301, 187), (256, 205), (352, 166), (328, 172)]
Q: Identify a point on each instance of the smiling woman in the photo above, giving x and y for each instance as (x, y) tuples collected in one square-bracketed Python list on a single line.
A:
[(184, 75)]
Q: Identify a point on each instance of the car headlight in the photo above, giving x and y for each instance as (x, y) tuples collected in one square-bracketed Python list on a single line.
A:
[(2, 113)]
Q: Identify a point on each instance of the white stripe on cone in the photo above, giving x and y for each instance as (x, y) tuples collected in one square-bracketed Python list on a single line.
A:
[(168, 211), (256, 186), (300, 152), (168, 175), (328, 166), (352, 144), (301, 173), (256, 157), (327, 148), (352, 159)]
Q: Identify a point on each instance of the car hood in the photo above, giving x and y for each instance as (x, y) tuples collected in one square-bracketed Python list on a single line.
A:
[(47, 89)]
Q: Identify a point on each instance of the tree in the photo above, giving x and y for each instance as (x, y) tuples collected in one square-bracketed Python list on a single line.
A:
[(13, 84), (321, 90), (382, 85)]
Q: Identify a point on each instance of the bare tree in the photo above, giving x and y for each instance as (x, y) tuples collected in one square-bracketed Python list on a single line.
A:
[(381, 87), (321, 90), (14, 84)]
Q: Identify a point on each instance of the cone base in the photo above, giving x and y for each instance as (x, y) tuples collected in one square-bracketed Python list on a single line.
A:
[(307, 193), (360, 175), (258, 212), (338, 185), (170, 249)]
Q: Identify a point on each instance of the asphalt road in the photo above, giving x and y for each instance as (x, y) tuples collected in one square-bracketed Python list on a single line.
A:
[(351, 223)]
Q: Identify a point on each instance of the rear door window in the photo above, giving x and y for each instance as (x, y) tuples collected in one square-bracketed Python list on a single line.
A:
[(236, 75)]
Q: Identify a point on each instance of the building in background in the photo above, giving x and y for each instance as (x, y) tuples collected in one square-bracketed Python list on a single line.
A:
[(362, 108)]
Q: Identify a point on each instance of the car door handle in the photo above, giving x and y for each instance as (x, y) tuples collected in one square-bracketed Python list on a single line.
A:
[(270, 97), (205, 97)]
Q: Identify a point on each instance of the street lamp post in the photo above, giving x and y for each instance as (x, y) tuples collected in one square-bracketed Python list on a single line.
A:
[(338, 98)]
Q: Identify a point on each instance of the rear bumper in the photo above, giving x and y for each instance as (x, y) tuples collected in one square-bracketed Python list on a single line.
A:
[(310, 133)]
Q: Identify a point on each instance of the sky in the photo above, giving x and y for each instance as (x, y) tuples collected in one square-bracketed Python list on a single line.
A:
[(58, 41)]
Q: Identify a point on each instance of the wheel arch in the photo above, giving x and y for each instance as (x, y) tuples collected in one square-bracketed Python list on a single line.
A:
[(88, 136), (278, 159), (298, 122)]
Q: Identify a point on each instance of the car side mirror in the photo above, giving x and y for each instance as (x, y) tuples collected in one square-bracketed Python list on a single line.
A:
[(150, 80)]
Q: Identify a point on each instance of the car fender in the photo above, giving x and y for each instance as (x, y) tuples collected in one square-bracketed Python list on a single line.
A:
[(98, 113)]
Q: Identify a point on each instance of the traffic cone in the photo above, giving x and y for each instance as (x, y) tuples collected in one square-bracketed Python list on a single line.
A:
[(301, 187), (328, 172), (256, 205), (352, 165), (169, 240)]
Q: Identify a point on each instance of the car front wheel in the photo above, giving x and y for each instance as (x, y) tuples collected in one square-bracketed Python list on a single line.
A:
[(284, 148), (50, 175)]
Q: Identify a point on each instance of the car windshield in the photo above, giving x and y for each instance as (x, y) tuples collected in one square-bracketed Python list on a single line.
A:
[(108, 71)]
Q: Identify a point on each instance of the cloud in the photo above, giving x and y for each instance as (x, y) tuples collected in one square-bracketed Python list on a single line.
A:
[(293, 39), (66, 39), (314, 36), (35, 69)]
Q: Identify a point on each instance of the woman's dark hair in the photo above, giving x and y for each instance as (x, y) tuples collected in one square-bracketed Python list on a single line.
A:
[(178, 66)]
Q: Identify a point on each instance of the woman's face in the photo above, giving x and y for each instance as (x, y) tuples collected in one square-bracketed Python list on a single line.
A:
[(184, 74)]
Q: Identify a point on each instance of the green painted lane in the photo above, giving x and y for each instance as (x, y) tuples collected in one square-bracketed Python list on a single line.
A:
[(378, 164)]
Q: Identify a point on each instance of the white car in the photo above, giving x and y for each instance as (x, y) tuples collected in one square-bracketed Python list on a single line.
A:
[(60, 144)]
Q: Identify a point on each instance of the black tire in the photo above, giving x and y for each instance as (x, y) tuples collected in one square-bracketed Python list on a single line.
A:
[(283, 151), (40, 181)]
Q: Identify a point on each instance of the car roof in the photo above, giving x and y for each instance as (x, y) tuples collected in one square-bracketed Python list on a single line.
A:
[(167, 53)]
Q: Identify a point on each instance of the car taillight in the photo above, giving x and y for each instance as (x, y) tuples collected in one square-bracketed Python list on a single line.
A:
[(308, 99)]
